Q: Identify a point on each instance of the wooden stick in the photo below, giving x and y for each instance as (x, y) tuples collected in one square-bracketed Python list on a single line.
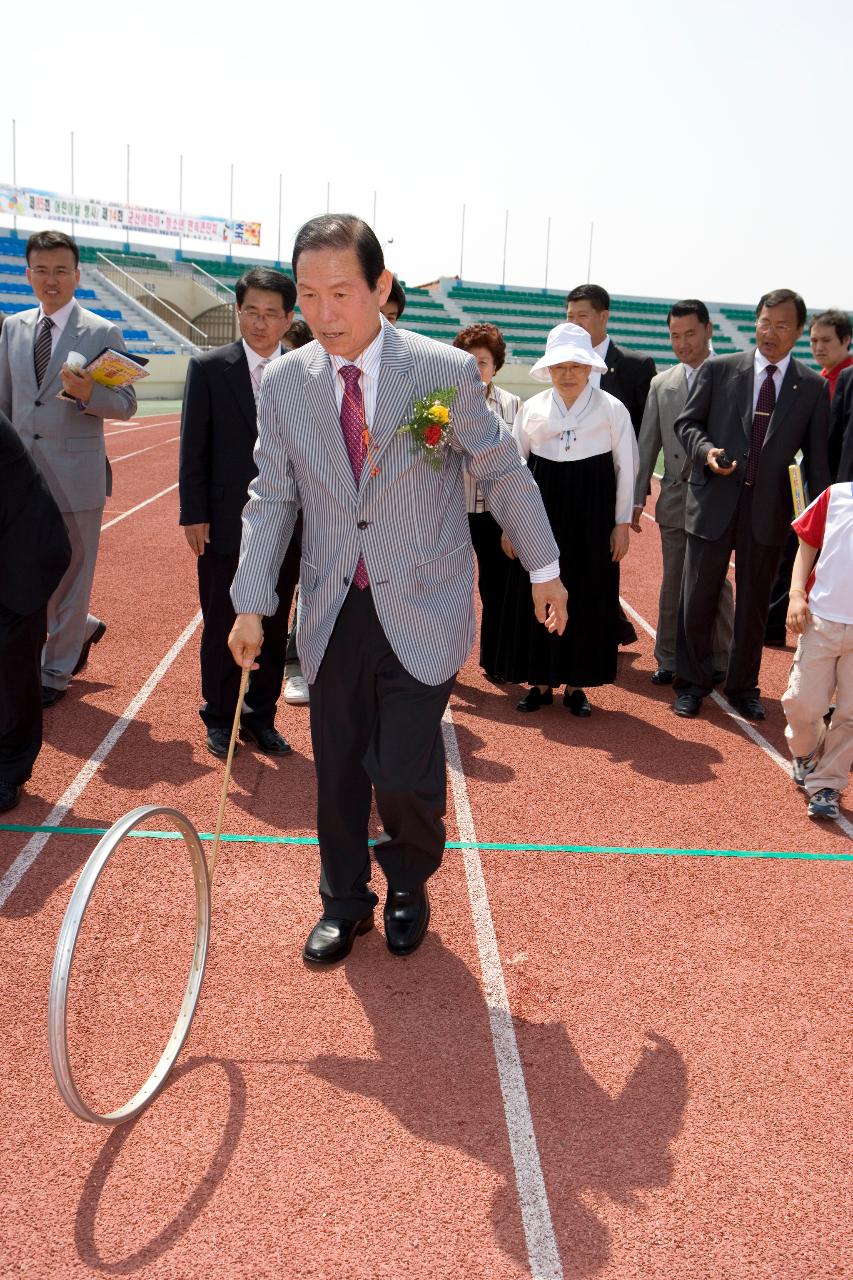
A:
[(244, 680)]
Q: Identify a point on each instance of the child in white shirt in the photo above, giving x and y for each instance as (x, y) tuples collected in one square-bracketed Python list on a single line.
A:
[(821, 613)]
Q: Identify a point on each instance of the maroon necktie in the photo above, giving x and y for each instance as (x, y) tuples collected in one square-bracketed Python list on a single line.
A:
[(760, 422), (352, 425)]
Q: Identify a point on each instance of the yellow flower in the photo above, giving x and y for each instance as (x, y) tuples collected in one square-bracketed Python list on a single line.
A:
[(439, 413)]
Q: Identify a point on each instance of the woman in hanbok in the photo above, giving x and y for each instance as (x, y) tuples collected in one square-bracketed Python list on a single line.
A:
[(580, 446)]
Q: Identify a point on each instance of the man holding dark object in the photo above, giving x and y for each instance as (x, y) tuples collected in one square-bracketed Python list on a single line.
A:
[(35, 552), (218, 433), (64, 436), (366, 431), (754, 411)]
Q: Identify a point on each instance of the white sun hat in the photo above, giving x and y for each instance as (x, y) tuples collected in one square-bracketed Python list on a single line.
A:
[(566, 343)]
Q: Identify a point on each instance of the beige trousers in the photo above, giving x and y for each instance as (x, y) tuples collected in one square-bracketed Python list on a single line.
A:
[(823, 663)]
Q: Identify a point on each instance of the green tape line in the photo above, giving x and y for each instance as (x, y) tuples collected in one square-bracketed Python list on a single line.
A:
[(649, 850)]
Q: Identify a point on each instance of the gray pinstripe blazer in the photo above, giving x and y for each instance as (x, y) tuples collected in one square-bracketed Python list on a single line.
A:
[(408, 522)]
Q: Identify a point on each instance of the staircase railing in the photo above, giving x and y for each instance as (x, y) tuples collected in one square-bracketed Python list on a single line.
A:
[(181, 328)]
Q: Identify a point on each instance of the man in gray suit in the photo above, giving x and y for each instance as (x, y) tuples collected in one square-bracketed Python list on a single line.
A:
[(690, 332), (386, 615), (64, 436)]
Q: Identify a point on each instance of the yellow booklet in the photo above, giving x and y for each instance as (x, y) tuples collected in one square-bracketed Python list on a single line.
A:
[(795, 475), (111, 368)]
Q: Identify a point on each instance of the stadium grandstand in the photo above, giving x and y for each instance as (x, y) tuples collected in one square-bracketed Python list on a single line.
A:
[(170, 305)]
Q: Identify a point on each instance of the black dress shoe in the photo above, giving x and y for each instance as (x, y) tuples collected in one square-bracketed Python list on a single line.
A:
[(217, 742), (492, 678), (687, 704), (50, 696), (663, 675), (269, 741), (751, 708), (577, 702), (406, 917), (10, 795), (95, 638), (331, 940), (626, 632), (535, 699)]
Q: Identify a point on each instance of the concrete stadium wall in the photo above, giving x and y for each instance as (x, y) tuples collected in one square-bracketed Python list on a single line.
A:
[(166, 377)]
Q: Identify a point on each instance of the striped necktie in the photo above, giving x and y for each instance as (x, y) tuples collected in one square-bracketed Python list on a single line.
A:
[(43, 348), (760, 422)]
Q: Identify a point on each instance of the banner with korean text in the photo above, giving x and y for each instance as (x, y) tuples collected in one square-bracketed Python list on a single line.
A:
[(26, 202)]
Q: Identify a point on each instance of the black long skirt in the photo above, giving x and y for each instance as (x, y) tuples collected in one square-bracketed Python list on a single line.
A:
[(580, 500)]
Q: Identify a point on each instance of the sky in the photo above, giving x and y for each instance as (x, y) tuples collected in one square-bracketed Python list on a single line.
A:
[(708, 143)]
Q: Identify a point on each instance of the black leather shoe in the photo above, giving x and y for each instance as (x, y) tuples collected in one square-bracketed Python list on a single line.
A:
[(217, 742), (577, 702), (50, 696), (269, 741), (535, 699), (95, 638), (492, 678), (10, 795), (717, 677), (663, 675), (626, 633), (751, 708), (406, 918), (687, 704), (331, 940)]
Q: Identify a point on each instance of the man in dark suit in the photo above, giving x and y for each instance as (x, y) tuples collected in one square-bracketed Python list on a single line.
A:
[(628, 375), (744, 421), (218, 434), (35, 552), (841, 429)]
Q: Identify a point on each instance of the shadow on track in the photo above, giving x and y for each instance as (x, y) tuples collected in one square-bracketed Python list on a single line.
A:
[(91, 1220), (436, 1072)]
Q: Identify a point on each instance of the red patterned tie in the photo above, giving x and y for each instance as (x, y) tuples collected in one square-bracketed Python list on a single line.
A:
[(763, 412), (352, 425)]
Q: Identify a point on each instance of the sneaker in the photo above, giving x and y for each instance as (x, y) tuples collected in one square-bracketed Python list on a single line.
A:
[(824, 803), (296, 691), (802, 766)]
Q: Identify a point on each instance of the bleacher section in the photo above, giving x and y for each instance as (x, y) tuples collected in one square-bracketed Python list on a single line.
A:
[(138, 328), (439, 311)]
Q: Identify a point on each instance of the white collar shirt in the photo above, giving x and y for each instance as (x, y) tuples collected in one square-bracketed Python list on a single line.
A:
[(760, 364), (59, 320), (254, 359), (600, 349), (369, 362), (690, 372)]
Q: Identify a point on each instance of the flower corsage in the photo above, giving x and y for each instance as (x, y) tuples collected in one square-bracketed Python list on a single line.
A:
[(431, 425)]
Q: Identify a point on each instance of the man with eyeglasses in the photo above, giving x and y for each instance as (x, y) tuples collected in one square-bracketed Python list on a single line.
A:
[(64, 436), (742, 426)]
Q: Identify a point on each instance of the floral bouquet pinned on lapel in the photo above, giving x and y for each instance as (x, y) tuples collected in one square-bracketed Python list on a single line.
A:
[(431, 425)]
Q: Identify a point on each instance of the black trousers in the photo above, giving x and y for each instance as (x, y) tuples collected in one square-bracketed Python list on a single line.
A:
[(492, 573), (706, 563), (21, 639), (374, 726), (220, 675)]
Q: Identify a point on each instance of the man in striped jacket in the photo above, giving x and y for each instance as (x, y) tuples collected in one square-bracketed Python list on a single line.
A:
[(386, 612)]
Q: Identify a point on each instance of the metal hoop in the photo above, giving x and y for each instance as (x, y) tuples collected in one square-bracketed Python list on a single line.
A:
[(64, 955)]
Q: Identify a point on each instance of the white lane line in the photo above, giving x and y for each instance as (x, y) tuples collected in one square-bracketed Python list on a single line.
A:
[(71, 795), (147, 449), (542, 1252), (748, 728), (167, 420), (138, 507)]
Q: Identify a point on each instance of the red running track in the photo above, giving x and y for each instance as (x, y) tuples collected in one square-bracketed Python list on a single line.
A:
[(669, 1029)]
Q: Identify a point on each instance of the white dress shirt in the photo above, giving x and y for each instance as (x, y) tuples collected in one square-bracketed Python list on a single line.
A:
[(600, 350), (596, 423), (761, 363), (369, 363), (254, 359)]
